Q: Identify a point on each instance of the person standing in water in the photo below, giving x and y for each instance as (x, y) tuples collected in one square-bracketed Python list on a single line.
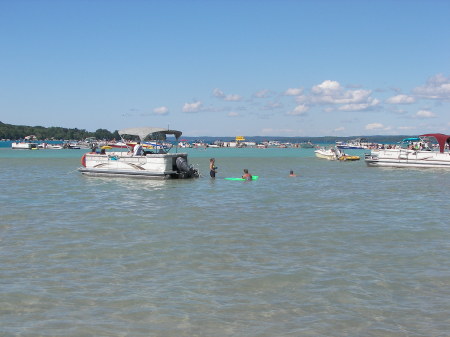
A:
[(247, 176), (212, 168)]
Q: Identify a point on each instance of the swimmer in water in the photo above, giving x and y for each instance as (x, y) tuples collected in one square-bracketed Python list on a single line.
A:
[(247, 176)]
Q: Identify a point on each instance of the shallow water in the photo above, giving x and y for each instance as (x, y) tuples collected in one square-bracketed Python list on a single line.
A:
[(340, 250)]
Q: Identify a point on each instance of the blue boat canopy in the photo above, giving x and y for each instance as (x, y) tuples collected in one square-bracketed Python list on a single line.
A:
[(411, 139)]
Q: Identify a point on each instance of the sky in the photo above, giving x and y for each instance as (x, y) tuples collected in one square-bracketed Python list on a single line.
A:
[(300, 68)]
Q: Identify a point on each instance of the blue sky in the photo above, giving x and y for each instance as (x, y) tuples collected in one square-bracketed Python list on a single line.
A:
[(228, 68)]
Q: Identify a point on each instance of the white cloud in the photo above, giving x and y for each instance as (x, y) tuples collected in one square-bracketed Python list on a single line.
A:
[(375, 126), (339, 129), (233, 98), (326, 88), (372, 102), (229, 98), (303, 99), (218, 93), (193, 107), (272, 106), (233, 114), (332, 93), (342, 96), (262, 93), (401, 99), (162, 110), (299, 110), (424, 114), (437, 87), (293, 92)]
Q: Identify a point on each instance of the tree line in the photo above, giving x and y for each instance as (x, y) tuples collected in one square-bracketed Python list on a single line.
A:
[(9, 131)]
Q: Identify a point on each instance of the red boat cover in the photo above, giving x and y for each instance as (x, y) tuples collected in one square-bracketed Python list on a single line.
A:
[(441, 138)]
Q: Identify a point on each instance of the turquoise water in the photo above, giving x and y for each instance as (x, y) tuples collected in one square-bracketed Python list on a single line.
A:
[(339, 250)]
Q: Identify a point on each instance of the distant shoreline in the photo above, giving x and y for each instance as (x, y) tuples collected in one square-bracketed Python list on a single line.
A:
[(11, 132), (299, 139)]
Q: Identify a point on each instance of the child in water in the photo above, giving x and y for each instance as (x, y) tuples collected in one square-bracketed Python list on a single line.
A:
[(247, 176)]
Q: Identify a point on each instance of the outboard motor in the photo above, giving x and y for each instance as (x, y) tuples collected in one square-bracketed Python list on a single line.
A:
[(186, 170)]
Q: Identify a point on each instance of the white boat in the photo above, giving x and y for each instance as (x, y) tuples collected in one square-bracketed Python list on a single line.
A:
[(154, 163), (415, 152), (88, 143), (331, 153), (334, 153), (184, 144), (306, 145), (24, 146), (51, 146), (358, 144)]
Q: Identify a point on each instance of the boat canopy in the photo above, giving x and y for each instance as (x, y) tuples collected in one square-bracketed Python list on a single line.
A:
[(150, 133), (411, 139), (441, 139)]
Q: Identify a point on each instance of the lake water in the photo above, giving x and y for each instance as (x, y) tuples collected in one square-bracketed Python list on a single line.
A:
[(339, 250)]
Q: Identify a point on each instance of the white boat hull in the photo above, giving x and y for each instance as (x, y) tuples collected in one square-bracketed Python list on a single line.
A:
[(407, 158), (325, 156), (351, 147), (329, 154), (123, 164), (123, 173), (24, 146)]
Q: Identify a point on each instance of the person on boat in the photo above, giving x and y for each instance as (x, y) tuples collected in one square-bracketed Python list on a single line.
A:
[(292, 174), (212, 168), (138, 149), (247, 176)]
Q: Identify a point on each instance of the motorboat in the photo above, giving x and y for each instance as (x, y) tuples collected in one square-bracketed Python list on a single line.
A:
[(357, 144), (153, 162), (331, 153), (24, 146), (88, 143), (306, 145), (413, 152), (51, 146), (334, 153)]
